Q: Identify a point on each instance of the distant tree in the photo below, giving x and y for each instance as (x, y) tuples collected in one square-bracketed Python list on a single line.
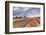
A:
[(24, 16), (16, 16), (20, 17)]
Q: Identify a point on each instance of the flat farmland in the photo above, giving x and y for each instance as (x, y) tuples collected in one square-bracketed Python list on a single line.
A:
[(26, 22)]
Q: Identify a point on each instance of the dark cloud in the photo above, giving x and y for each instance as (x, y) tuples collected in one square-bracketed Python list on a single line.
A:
[(26, 11)]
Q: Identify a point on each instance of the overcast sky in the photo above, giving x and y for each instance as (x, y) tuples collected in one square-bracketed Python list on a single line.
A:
[(26, 11)]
